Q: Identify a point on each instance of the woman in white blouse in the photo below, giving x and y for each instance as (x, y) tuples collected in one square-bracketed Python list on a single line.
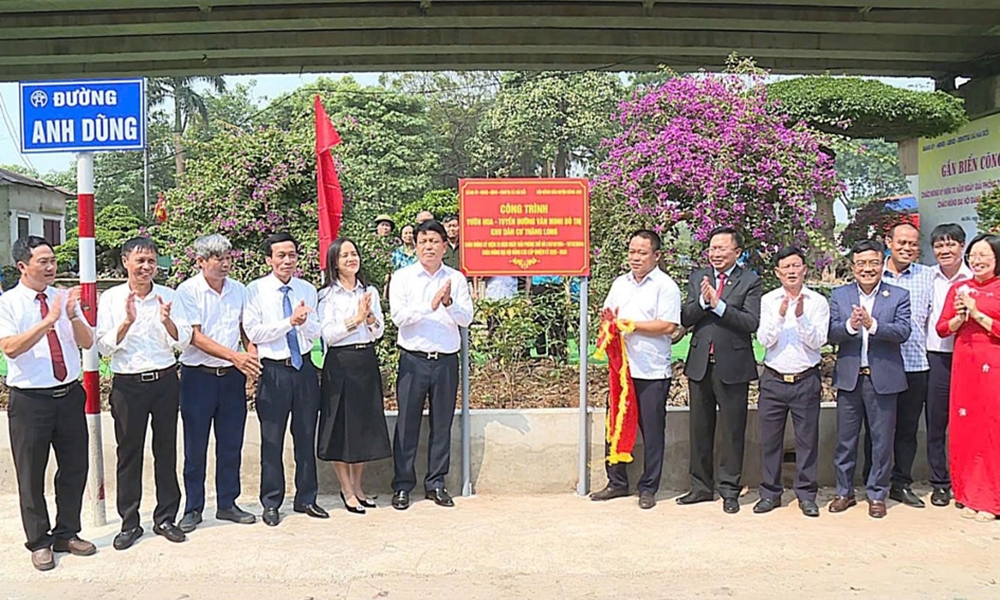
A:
[(352, 427)]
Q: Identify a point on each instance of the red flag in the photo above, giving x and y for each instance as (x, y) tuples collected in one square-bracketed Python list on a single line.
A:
[(160, 210), (331, 197)]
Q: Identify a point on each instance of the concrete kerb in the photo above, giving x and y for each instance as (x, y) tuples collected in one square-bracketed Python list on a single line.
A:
[(531, 451)]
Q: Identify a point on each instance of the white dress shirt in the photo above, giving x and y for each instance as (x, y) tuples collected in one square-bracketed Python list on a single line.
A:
[(655, 298), (942, 284), (20, 310), (217, 315), (338, 304), (867, 303), (264, 317), (146, 346), (792, 344), (422, 329)]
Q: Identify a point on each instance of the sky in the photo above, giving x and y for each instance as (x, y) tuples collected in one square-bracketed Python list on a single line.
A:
[(267, 87)]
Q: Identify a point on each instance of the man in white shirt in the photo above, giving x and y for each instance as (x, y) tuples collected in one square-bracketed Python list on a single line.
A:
[(793, 328), (651, 300), (429, 301), (41, 332), (948, 243), (137, 330), (280, 318), (214, 375)]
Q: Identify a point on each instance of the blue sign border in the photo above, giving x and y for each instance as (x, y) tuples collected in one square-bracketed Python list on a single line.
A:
[(142, 115)]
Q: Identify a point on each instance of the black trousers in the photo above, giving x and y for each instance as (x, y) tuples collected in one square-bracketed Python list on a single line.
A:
[(421, 378), (909, 406), (936, 416), (652, 395), (731, 400), (778, 398), (38, 422), (282, 392), (211, 402), (134, 404)]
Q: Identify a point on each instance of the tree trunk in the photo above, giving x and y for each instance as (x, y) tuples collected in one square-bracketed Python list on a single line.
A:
[(562, 162), (827, 228), (178, 139)]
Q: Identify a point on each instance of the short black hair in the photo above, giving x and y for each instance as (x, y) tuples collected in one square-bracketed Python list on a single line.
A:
[(24, 247), (948, 232), (648, 234), (278, 238), (449, 219), (139, 243), (737, 236), (903, 223), (429, 226), (788, 251), (867, 246), (994, 242)]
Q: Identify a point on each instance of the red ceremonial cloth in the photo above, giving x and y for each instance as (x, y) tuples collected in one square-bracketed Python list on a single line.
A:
[(331, 197), (623, 415)]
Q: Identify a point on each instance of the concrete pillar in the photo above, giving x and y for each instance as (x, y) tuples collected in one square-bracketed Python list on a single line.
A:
[(982, 96)]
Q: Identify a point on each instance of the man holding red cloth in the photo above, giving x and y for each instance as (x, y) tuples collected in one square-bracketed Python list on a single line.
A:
[(642, 309)]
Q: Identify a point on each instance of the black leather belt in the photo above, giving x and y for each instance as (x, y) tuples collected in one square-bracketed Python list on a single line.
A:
[(865, 371), (353, 346), (217, 371), (287, 362), (429, 355), (793, 377), (59, 391), (148, 376)]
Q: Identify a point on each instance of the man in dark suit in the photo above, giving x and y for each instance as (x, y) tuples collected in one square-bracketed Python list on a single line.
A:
[(869, 320), (722, 311)]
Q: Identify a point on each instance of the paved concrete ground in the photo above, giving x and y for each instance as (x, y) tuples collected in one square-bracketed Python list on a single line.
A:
[(551, 546)]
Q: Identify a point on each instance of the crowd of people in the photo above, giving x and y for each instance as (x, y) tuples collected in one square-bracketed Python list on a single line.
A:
[(911, 340)]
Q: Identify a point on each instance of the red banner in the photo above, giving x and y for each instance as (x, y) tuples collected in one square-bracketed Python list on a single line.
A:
[(524, 227)]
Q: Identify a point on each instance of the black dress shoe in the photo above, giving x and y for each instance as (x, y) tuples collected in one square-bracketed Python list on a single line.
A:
[(125, 539), (695, 498), (236, 515), (731, 506), (358, 510), (313, 510), (959, 505), (809, 508), (609, 493), (368, 502), (401, 500), (170, 531), (190, 521), (271, 517), (906, 496), (941, 497), (440, 497), (647, 500), (764, 505)]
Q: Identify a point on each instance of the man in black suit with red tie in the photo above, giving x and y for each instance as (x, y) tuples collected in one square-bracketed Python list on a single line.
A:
[(722, 311)]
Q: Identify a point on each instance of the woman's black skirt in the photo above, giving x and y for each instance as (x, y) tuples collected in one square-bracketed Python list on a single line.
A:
[(352, 425)]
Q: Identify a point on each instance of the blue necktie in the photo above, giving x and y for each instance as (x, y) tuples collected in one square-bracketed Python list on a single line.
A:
[(292, 337)]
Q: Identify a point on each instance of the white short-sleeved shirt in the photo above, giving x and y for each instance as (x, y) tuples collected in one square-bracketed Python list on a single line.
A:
[(655, 298), (20, 310), (217, 315), (147, 346)]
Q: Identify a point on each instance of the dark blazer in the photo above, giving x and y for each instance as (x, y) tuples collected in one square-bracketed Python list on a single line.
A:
[(892, 312), (730, 333)]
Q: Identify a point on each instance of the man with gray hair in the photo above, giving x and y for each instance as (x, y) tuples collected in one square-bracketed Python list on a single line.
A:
[(214, 374)]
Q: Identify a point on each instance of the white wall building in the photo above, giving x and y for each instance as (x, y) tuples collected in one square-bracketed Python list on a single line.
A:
[(29, 206)]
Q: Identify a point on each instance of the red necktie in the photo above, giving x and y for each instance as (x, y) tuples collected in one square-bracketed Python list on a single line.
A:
[(55, 348), (718, 293)]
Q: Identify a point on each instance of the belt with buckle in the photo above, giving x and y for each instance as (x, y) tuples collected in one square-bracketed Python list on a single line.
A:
[(59, 391), (217, 371), (792, 377), (711, 358), (353, 346), (429, 355), (285, 362), (148, 376), (865, 371)]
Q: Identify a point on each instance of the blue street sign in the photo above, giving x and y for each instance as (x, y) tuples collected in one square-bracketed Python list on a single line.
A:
[(83, 115)]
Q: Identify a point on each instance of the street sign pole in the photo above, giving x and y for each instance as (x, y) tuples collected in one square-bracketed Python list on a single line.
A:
[(94, 495), (466, 420), (583, 487)]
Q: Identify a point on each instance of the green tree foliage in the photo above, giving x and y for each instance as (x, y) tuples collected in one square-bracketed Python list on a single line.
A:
[(869, 169), (187, 102), (441, 203), (988, 211), (541, 123), (113, 225), (21, 169), (867, 108)]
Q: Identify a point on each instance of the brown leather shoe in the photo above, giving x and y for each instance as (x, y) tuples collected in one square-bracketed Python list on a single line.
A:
[(74, 546), (842, 503), (43, 560), (876, 509)]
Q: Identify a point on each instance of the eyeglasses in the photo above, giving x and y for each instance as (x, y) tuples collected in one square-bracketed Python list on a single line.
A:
[(867, 263)]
